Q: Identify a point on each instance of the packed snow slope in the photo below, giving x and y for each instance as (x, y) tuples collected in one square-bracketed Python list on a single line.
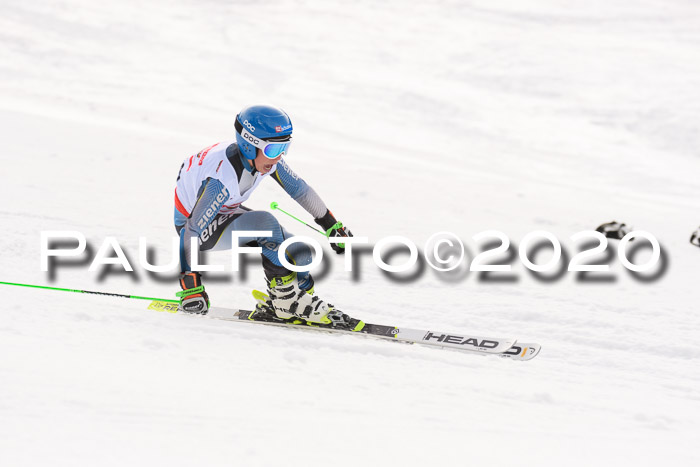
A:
[(410, 119)]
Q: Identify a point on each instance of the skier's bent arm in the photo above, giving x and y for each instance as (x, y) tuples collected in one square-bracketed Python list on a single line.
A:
[(212, 195), (307, 197), (299, 190)]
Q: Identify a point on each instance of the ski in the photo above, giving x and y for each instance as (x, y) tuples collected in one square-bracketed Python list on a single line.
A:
[(503, 347), (521, 351)]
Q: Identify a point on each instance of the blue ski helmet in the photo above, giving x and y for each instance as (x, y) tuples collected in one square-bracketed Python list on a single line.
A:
[(260, 124)]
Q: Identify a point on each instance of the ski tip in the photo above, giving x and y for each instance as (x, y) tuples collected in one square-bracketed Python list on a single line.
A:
[(522, 351)]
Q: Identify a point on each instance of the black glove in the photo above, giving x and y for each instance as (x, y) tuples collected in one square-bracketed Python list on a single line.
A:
[(334, 228)]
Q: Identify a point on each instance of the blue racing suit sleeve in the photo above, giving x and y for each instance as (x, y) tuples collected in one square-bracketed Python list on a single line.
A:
[(299, 190), (212, 195)]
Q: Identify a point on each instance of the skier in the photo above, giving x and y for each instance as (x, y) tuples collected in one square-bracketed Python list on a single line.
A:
[(211, 187)]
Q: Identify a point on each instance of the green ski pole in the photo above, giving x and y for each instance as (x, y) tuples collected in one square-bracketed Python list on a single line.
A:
[(327, 233), (109, 294)]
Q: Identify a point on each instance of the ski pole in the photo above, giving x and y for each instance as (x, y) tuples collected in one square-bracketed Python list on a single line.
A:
[(274, 205), (327, 233), (109, 294)]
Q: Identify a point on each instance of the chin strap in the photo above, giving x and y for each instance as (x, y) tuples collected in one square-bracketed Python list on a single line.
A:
[(248, 164)]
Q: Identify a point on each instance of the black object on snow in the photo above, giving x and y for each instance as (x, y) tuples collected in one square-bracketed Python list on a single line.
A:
[(614, 229), (695, 237)]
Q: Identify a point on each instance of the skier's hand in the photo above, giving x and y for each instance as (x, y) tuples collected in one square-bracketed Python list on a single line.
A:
[(334, 228), (340, 232)]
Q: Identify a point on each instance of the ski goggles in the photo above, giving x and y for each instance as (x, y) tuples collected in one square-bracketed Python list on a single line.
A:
[(271, 149)]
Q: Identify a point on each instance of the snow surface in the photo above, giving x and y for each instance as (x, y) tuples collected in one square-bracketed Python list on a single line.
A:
[(410, 118)]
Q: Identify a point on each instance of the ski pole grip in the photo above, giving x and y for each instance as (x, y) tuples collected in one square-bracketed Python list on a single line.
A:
[(336, 226)]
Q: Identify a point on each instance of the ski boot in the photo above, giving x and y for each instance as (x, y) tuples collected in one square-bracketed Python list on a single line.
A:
[(193, 298), (286, 301)]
